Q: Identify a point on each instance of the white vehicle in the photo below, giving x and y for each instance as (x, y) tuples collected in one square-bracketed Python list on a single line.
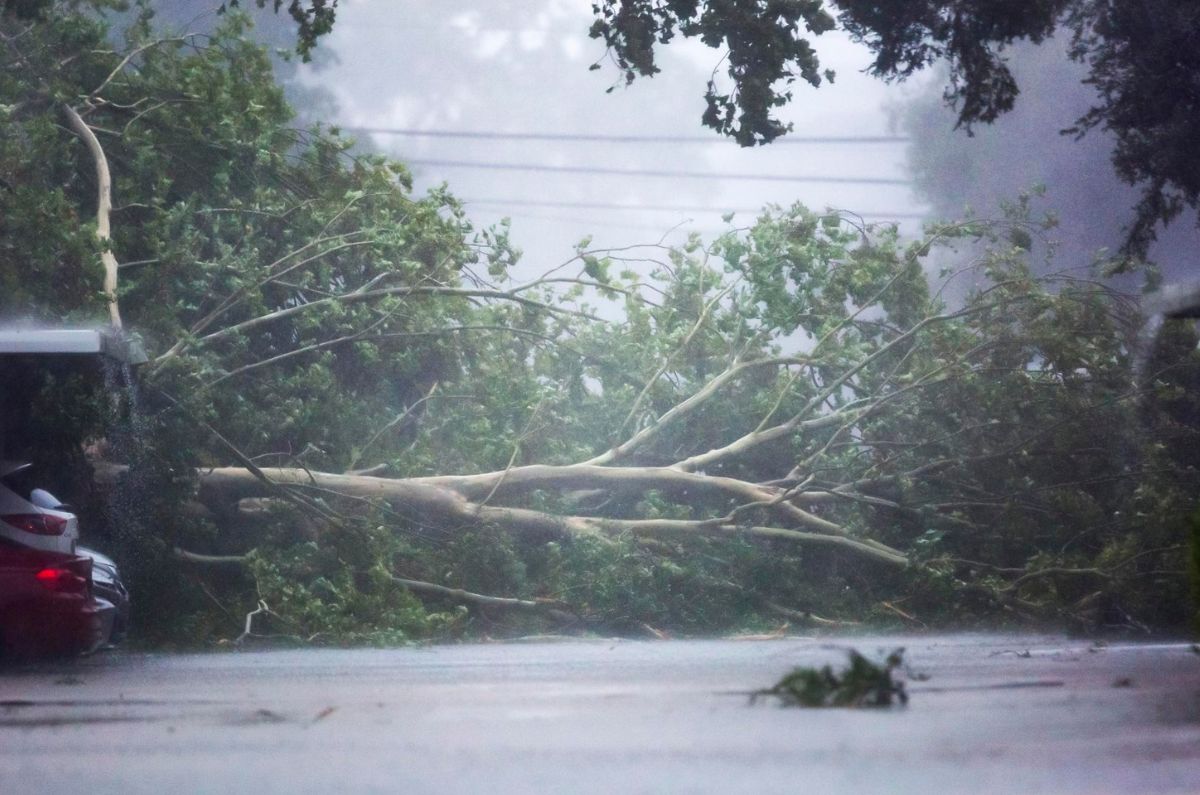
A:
[(25, 519)]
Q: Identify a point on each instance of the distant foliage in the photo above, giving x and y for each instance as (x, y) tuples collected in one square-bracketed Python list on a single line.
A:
[(761, 45)]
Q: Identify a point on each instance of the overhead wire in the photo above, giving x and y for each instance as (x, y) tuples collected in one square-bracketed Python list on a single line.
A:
[(623, 172), (620, 138), (686, 208), (591, 222), (636, 139)]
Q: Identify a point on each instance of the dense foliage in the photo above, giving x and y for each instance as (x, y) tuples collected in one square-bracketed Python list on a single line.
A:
[(356, 427), (313, 19)]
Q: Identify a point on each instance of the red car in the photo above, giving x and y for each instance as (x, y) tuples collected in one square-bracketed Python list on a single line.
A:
[(46, 604)]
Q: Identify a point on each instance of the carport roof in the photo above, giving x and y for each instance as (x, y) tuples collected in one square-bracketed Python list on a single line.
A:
[(76, 341)]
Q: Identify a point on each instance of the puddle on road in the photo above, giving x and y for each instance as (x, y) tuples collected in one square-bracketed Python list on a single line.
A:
[(1180, 709), (55, 722), (994, 686), (258, 716), (23, 703)]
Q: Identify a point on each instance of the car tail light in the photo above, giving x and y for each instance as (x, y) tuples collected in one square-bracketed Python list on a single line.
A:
[(42, 524), (61, 580)]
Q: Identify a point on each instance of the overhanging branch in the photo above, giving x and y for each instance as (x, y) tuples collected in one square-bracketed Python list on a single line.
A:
[(103, 211)]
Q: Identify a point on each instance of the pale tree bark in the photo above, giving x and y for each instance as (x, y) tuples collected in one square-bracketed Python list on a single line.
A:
[(103, 211), (436, 501)]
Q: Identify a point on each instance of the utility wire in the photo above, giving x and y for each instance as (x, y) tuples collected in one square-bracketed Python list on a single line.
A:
[(590, 223), (685, 208), (488, 135), (656, 173)]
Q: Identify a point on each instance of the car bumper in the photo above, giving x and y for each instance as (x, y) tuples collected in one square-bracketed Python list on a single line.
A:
[(58, 627), (115, 595)]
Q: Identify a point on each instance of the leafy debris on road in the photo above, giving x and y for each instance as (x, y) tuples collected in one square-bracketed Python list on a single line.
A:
[(260, 715), (323, 714), (861, 684)]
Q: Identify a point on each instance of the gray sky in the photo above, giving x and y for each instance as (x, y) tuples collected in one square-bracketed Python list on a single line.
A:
[(500, 67), (1024, 148), (521, 66)]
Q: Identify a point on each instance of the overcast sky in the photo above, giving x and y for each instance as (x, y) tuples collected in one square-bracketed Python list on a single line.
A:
[(500, 68), (521, 66)]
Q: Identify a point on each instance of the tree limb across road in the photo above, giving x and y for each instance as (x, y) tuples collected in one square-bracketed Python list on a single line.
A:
[(444, 501)]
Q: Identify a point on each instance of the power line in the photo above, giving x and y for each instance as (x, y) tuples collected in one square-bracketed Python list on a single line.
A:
[(589, 223), (489, 135), (686, 208), (656, 173)]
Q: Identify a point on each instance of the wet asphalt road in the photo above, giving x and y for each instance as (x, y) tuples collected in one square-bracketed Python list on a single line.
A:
[(996, 714)]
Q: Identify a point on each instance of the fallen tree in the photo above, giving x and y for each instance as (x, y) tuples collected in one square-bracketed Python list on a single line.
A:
[(830, 407), (352, 396)]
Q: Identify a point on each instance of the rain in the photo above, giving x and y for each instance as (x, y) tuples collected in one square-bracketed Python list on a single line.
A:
[(544, 395)]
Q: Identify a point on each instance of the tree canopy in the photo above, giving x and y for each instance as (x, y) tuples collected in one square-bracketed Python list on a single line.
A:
[(313, 18)]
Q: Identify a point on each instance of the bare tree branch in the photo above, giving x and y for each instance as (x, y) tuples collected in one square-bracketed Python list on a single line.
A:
[(461, 595), (699, 324), (209, 560), (103, 211), (399, 418), (439, 503), (371, 295), (686, 407), (95, 92)]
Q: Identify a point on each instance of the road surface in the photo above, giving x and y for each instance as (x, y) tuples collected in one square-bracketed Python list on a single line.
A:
[(988, 714)]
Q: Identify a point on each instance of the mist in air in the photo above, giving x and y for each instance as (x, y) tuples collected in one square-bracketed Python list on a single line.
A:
[(503, 68), (1025, 149)]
